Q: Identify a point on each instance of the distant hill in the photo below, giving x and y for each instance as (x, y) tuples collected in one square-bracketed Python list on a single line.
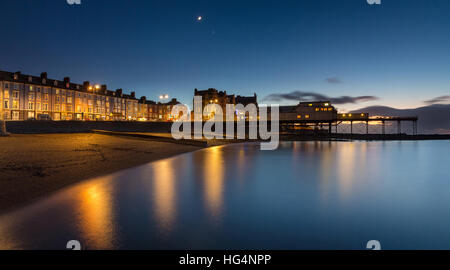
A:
[(433, 119)]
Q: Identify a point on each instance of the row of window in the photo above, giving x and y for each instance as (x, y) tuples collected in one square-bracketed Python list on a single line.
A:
[(324, 109), (15, 105), (58, 107), (15, 116), (57, 92)]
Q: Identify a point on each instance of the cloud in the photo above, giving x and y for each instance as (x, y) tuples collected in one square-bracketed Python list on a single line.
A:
[(333, 80), (438, 100), (311, 96)]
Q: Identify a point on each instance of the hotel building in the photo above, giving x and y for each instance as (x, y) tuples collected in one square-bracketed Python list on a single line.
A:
[(26, 97)]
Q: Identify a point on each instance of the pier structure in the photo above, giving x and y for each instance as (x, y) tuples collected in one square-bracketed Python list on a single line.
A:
[(329, 124), (364, 117)]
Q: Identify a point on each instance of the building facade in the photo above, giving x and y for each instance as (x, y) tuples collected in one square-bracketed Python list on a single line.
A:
[(221, 98), (26, 97), (149, 110), (309, 111)]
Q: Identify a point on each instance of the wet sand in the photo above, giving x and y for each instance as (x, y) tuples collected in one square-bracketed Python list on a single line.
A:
[(32, 166)]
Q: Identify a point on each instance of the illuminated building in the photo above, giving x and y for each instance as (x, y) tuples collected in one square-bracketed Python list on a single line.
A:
[(221, 98), (309, 111), (25, 97)]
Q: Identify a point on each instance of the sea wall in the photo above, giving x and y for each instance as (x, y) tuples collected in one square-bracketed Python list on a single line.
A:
[(39, 127)]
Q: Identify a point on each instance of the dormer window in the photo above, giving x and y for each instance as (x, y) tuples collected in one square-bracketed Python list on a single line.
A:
[(67, 85), (16, 76), (55, 83), (30, 79), (44, 81)]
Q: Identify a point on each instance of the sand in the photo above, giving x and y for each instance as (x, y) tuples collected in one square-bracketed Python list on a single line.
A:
[(32, 166)]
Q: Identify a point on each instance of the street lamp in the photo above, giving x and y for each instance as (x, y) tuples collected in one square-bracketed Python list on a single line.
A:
[(164, 97)]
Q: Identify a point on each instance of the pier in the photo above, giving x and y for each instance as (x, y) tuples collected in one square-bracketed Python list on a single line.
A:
[(351, 119)]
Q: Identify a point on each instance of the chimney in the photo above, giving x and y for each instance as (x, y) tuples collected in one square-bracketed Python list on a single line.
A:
[(104, 87), (86, 85), (44, 75), (67, 82), (143, 98), (133, 94), (16, 75), (119, 92)]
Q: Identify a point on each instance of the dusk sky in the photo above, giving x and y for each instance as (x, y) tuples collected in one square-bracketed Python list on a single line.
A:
[(398, 51)]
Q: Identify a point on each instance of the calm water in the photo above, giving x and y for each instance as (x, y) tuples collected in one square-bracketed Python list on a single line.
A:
[(306, 195)]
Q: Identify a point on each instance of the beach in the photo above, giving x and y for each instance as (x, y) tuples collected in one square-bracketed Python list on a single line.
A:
[(36, 165)]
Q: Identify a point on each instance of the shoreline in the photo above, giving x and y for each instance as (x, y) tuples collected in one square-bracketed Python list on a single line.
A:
[(37, 165)]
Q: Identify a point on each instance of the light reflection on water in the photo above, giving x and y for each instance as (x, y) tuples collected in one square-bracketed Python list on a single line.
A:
[(96, 214), (213, 179), (164, 194), (305, 195)]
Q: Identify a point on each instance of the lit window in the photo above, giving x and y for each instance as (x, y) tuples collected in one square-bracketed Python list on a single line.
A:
[(317, 109), (307, 116), (327, 104), (299, 116)]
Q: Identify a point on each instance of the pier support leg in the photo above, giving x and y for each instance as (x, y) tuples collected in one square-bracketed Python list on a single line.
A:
[(351, 127), (367, 127), (383, 123), (329, 128), (399, 127)]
